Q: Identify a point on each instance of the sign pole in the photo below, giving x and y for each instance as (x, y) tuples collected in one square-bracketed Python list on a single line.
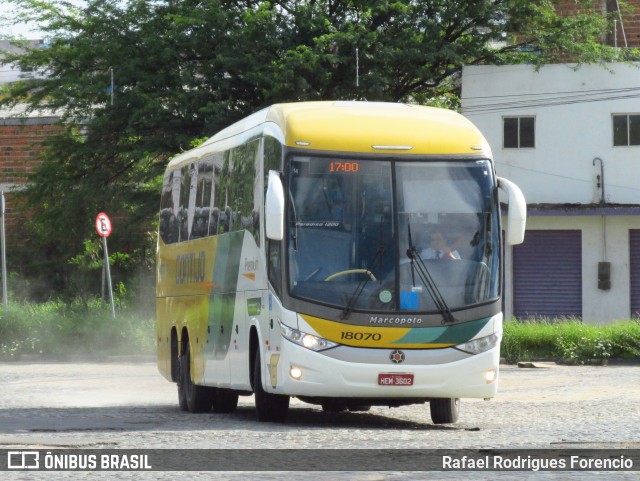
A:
[(106, 264), (4, 254), (103, 227)]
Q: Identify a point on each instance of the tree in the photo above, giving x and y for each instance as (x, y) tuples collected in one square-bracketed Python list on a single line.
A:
[(137, 81)]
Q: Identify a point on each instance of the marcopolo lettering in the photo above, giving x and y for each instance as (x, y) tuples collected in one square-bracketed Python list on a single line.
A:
[(190, 268), (399, 321)]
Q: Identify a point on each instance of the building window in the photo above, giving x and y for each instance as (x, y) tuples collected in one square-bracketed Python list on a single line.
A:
[(626, 130), (519, 132)]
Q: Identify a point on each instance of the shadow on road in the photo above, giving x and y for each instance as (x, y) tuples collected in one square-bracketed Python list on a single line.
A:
[(170, 418)]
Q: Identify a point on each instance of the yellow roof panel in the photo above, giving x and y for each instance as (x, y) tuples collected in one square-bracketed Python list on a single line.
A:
[(359, 126)]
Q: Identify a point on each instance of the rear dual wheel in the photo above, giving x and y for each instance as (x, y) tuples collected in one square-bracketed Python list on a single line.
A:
[(191, 397), (200, 399)]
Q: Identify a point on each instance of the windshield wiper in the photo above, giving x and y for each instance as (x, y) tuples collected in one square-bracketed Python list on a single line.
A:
[(295, 222), (418, 265)]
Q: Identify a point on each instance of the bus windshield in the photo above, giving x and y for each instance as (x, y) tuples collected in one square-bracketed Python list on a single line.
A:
[(353, 224)]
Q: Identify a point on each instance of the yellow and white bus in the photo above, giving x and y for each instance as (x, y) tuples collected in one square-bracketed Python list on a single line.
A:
[(298, 256)]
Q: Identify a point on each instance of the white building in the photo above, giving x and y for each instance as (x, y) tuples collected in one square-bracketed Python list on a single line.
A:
[(10, 72), (569, 136)]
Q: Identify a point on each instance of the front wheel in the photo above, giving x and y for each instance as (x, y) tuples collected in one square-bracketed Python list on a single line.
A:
[(444, 410), (269, 407)]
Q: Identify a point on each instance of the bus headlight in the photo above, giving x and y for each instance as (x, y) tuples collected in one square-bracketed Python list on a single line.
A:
[(303, 339), (483, 344)]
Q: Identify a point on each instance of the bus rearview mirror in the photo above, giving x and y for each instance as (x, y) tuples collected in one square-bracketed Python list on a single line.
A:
[(517, 215), (274, 207)]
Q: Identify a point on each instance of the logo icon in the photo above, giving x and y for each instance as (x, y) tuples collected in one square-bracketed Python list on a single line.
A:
[(397, 356), (23, 459)]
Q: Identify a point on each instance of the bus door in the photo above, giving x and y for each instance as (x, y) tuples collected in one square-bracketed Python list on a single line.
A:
[(250, 308)]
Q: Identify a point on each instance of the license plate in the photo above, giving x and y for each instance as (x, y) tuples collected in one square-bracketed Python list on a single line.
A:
[(395, 379)]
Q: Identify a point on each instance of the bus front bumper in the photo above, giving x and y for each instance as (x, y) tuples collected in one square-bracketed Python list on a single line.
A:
[(297, 371)]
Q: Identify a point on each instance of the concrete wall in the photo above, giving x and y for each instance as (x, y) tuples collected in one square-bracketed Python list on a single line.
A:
[(573, 108), (603, 239)]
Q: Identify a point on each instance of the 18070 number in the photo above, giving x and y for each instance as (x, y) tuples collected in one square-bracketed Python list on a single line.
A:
[(361, 336)]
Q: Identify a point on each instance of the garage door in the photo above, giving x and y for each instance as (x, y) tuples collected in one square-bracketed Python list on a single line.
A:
[(547, 275), (634, 267)]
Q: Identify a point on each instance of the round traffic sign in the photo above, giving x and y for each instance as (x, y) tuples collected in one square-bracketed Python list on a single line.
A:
[(103, 225)]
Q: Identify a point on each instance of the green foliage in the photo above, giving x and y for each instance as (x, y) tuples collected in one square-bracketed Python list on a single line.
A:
[(61, 330), (570, 341)]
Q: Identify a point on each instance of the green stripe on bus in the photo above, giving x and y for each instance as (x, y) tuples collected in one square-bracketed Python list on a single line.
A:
[(455, 334)]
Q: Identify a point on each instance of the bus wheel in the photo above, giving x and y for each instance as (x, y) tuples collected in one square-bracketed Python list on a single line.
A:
[(225, 401), (182, 394), (444, 410), (196, 399), (182, 397), (269, 407)]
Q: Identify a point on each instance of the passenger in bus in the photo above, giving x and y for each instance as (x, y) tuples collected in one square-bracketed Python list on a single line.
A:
[(213, 221), (168, 226), (439, 249), (200, 223)]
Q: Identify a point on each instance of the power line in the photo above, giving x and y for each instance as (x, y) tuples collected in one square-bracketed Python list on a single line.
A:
[(566, 177), (554, 92), (551, 100)]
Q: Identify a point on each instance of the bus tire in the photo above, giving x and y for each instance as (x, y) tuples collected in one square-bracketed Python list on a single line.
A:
[(182, 393), (197, 399), (224, 401), (269, 407), (182, 397), (444, 410)]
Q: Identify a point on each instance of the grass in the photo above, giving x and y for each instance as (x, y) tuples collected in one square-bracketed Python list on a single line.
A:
[(66, 331), (570, 341)]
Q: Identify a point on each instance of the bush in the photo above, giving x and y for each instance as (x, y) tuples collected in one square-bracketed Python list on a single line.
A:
[(570, 341), (67, 330)]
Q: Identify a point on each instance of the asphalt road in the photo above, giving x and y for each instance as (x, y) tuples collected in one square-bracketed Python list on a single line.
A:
[(120, 405)]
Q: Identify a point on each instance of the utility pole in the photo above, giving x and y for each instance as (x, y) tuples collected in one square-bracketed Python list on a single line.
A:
[(4, 253)]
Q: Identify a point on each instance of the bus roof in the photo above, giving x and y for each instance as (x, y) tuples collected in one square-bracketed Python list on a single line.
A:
[(350, 126)]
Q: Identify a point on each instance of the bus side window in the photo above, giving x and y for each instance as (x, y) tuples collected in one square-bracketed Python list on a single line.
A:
[(200, 224), (217, 162), (274, 265), (221, 214), (256, 194), (183, 207), (168, 228), (243, 183)]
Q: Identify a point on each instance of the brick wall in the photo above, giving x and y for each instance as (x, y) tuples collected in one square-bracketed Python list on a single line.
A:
[(628, 28), (20, 148)]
